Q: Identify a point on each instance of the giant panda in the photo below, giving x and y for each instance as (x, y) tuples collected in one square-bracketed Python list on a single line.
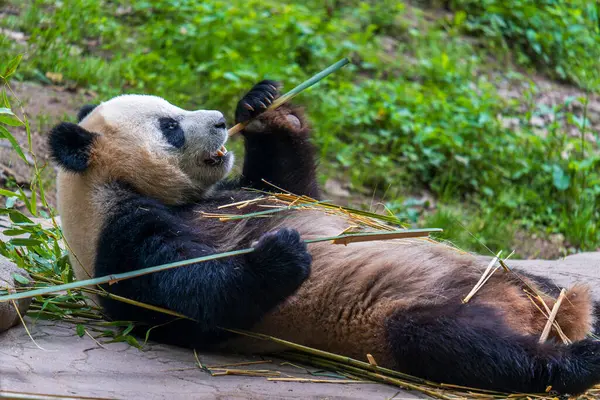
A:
[(137, 174)]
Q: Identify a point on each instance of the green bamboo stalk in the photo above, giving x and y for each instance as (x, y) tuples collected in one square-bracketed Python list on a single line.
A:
[(334, 365), (108, 295), (324, 354), (110, 279), (118, 277), (289, 95)]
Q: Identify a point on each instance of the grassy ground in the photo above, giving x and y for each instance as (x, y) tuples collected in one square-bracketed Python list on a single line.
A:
[(446, 114)]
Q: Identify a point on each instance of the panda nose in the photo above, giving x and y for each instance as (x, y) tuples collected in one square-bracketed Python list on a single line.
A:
[(221, 123)]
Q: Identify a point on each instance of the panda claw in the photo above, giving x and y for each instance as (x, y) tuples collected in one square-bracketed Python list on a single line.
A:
[(256, 101)]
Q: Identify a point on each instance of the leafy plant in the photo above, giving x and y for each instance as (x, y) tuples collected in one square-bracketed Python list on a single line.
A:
[(563, 36)]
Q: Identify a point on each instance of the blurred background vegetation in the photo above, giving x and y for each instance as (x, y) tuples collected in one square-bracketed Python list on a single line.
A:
[(480, 117)]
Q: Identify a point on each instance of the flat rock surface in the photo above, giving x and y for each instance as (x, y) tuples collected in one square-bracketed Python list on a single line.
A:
[(68, 365), (565, 272)]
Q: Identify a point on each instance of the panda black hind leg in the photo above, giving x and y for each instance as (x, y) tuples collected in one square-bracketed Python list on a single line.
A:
[(470, 345), (278, 151)]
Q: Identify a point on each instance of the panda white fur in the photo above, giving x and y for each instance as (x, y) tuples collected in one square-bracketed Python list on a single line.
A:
[(137, 171)]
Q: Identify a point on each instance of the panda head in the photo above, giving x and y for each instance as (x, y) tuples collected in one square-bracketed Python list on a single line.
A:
[(160, 149)]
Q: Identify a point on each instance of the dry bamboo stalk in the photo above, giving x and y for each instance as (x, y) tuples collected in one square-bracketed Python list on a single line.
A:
[(369, 236), (243, 203), (6, 394), (483, 278), (546, 314), (241, 364), (552, 316), (315, 380), (363, 373), (246, 372)]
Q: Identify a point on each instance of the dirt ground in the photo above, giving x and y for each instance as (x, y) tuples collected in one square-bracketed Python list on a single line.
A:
[(43, 106)]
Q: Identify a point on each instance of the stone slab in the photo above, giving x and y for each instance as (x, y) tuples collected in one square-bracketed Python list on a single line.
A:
[(68, 365)]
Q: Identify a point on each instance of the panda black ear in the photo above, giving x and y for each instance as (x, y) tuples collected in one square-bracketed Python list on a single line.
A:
[(84, 111), (71, 145)]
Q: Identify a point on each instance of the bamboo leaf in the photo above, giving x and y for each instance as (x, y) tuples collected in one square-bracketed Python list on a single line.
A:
[(12, 66), (14, 232), (80, 330), (20, 279), (25, 242), (4, 133), (18, 218), (127, 330), (8, 193), (7, 117)]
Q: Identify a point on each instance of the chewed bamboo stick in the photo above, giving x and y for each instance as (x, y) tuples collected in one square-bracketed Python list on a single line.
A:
[(289, 95), (371, 360), (388, 235), (552, 316)]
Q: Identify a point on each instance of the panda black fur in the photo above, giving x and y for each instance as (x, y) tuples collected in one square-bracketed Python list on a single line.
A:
[(131, 192)]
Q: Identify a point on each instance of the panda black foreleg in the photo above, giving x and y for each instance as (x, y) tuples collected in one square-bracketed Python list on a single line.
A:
[(277, 144), (470, 345), (232, 292)]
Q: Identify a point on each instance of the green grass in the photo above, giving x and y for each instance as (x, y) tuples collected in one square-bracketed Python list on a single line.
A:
[(417, 109)]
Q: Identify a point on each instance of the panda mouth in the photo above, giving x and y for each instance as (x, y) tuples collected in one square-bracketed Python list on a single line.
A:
[(216, 158)]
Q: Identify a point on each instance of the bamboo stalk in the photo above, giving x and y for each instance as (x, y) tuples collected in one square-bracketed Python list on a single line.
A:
[(552, 316), (110, 279), (240, 364), (114, 278), (308, 380), (327, 355), (5, 394), (289, 95), (361, 372), (245, 372), (483, 279)]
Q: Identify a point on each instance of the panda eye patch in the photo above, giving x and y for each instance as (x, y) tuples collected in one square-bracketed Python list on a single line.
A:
[(172, 131)]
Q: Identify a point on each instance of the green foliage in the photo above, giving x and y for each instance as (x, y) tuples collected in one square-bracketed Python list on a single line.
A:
[(483, 233), (563, 36), (418, 108)]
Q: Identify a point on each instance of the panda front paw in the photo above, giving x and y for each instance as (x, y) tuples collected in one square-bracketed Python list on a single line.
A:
[(256, 101), (282, 261)]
